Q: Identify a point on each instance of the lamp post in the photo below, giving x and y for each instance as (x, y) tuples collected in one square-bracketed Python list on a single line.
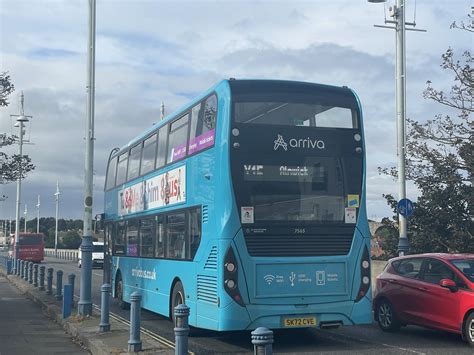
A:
[(398, 13), (56, 195), (38, 215), (85, 301), (26, 216), (21, 120), (2, 199)]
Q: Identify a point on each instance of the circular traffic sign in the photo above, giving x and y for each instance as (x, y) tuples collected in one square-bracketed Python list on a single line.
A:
[(405, 207)]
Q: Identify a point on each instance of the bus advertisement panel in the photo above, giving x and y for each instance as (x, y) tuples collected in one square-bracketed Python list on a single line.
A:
[(260, 219), (31, 247)]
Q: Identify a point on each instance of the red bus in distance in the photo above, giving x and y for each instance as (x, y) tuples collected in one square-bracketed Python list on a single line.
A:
[(31, 247)]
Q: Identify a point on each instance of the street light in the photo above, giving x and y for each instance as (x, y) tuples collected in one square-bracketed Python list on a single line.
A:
[(85, 300), (38, 215), (398, 13), (26, 215), (21, 120), (3, 198), (56, 195)]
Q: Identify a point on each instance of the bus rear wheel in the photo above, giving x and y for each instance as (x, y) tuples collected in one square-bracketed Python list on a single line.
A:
[(119, 293), (177, 297)]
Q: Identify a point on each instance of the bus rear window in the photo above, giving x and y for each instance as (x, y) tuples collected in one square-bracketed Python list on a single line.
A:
[(30, 240), (306, 114)]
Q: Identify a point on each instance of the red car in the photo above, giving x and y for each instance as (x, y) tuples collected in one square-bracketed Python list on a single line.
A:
[(430, 290)]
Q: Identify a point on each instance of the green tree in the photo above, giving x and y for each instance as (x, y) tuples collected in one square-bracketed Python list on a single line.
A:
[(440, 161), (71, 240)]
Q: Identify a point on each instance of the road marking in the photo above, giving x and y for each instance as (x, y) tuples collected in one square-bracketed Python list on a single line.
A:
[(148, 332)]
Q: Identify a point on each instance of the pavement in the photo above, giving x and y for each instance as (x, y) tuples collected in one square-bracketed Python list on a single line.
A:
[(31, 323), (24, 329)]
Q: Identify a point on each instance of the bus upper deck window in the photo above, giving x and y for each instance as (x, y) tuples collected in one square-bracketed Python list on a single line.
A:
[(148, 155), (111, 170), (134, 162), (122, 168)]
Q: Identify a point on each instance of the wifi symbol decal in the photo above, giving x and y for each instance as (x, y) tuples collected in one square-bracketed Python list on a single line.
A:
[(269, 279)]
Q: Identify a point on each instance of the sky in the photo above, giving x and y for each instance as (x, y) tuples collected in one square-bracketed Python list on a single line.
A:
[(148, 52)]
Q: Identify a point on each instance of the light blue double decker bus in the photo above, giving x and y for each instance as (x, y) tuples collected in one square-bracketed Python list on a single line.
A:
[(248, 205)]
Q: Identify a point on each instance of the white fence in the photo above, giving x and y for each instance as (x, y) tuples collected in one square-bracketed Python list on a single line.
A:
[(66, 254)]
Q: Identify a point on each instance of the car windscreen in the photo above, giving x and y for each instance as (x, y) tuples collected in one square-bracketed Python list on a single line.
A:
[(98, 248), (466, 266)]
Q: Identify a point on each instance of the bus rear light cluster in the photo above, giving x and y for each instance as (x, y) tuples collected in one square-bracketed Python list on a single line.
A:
[(231, 277), (364, 275)]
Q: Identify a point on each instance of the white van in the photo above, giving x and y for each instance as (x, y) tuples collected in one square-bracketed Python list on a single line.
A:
[(97, 255)]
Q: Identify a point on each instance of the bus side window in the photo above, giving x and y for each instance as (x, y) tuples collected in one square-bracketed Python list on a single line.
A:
[(148, 155), (162, 142), (122, 168), (134, 162), (194, 231), (178, 139), (160, 237), (210, 114), (111, 170), (176, 233), (203, 124), (147, 232), (132, 238), (119, 240)]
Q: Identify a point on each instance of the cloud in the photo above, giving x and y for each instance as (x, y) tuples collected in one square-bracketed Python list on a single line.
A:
[(148, 52)]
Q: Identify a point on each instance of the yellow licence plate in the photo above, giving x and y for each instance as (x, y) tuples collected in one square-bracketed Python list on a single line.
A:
[(295, 322)]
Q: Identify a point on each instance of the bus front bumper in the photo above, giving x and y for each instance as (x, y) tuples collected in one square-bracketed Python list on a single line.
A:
[(234, 317)]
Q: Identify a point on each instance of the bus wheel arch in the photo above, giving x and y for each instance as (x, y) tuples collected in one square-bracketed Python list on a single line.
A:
[(119, 291), (177, 296)]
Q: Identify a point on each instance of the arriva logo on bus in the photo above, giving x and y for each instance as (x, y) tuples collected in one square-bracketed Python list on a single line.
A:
[(305, 143)]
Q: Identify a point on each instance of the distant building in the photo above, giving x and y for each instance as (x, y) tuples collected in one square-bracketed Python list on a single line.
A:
[(376, 250)]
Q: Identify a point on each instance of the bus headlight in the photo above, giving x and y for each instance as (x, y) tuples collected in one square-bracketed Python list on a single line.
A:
[(364, 275), (230, 284), (230, 267), (231, 277)]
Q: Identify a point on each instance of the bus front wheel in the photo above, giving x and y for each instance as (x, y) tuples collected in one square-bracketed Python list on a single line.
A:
[(177, 297), (119, 293)]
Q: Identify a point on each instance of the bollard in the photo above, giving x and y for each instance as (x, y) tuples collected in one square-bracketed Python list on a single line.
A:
[(35, 275), (22, 271), (30, 273), (104, 325), (68, 294), (18, 271), (26, 271), (49, 280), (71, 278), (59, 285), (134, 343), (181, 329), (41, 277), (262, 340)]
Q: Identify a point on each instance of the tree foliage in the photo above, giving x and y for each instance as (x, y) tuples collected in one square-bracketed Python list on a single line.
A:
[(6, 88), (10, 164), (440, 161)]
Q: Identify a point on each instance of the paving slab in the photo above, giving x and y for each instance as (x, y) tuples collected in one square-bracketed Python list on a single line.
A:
[(84, 330), (25, 329)]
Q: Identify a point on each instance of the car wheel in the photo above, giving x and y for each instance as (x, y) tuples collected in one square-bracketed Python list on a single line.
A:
[(177, 297), (386, 317), (119, 293), (468, 331)]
